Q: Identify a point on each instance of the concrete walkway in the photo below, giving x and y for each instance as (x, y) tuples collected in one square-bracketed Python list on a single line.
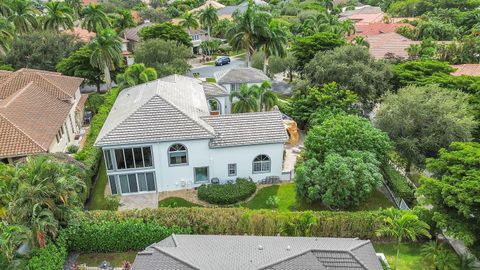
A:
[(139, 201), (292, 152)]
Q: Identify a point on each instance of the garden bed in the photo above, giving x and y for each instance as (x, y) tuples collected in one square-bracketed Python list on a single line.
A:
[(115, 259)]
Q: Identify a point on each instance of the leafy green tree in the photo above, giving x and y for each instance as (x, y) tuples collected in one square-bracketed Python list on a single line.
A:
[(352, 67), (210, 46), (5, 8), (164, 56), (208, 18), (245, 100), (78, 64), (189, 21), (305, 48), (41, 49), (94, 18), (421, 120), (58, 16), (250, 26), (121, 20), (402, 225), (220, 29), (6, 34), (136, 74), (106, 53), (167, 31), (340, 182), (286, 64), (75, 5), (437, 30), (437, 255), (361, 41), (274, 42), (453, 190), (267, 99), (306, 101), (23, 15), (343, 133)]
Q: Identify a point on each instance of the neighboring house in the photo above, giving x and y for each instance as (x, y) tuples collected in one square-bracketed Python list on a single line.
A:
[(160, 136), (40, 112), (467, 70), (363, 15), (389, 44), (198, 36), (235, 252), (228, 11), (83, 34), (377, 28), (232, 79), (208, 3)]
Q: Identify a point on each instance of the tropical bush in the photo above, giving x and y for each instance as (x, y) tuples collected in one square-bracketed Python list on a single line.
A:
[(398, 184), (72, 149), (52, 257), (90, 155), (227, 194)]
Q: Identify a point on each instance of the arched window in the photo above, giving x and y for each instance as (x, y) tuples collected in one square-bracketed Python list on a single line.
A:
[(261, 164), (214, 106), (177, 155)]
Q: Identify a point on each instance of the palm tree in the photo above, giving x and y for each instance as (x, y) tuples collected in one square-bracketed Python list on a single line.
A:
[(136, 74), (328, 4), (43, 224), (23, 15), (274, 43), (244, 100), (402, 225), (348, 26), (11, 238), (208, 17), (414, 51), (266, 97), (94, 18), (123, 19), (361, 41), (58, 15), (5, 8), (189, 21), (6, 34), (106, 52), (467, 262), (437, 255), (250, 26), (76, 6)]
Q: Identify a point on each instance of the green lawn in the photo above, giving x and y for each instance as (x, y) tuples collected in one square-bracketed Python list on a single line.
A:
[(97, 199), (176, 202), (288, 200), (115, 258)]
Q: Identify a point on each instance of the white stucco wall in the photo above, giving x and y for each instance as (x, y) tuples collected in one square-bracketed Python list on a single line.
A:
[(217, 159), (228, 104)]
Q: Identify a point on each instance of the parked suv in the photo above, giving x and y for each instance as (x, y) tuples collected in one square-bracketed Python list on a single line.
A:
[(222, 61)]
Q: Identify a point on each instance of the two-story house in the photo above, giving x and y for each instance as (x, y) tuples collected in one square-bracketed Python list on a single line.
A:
[(160, 136)]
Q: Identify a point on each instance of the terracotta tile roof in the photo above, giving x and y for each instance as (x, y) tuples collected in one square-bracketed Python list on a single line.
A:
[(33, 106), (367, 18), (377, 28), (4, 74), (83, 34), (393, 43), (81, 102), (88, 2), (467, 69)]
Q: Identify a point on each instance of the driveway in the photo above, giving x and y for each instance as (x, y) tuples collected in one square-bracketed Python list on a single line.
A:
[(207, 71)]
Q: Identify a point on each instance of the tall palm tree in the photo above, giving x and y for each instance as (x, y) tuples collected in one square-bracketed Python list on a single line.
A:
[(76, 6), (274, 42), (106, 52), (23, 15), (189, 21), (136, 74), (208, 18), (58, 15), (250, 26), (6, 34), (402, 225), (244, 100), (267, 99), (94, 18)]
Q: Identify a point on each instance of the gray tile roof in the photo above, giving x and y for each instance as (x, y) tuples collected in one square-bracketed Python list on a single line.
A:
[(240, 75), (229, 10), (214, 90), (163, 110), (219, 252), (247, 129)]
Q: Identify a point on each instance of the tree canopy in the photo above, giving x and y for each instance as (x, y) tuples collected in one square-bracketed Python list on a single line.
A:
[(167, 31), (305, 48), (78, 64)]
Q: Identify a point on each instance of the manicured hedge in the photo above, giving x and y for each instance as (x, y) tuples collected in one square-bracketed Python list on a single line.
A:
[(52, 257), (228, 193), (399, 184), (90, 155)]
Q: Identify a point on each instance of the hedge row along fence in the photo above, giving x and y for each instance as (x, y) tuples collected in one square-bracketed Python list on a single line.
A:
[(90, 155), (399, 184), (227, 194)]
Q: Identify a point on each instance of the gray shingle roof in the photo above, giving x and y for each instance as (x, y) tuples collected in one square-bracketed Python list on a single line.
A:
[(219, 252), (241, 75), (213, 90), (166, 109), (247, 129)]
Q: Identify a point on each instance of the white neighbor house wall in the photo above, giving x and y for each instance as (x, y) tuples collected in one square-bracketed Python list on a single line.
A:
[(201, 155), (228, 105)]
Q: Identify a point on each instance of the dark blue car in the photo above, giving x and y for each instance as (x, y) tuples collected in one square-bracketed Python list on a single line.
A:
[(222, 61)]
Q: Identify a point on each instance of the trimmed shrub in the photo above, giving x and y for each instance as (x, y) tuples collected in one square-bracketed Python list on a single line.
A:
[(51, 257), (118, 236), (228, 193), (399, 184), (72, 149), (90, 155)]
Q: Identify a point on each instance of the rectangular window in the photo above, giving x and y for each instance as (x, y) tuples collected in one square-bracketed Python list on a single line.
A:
[(150, 181), (235, 87), (108, 159), (201, 174), (120, 159), (61, 129), (113, 185), (124, 183), (129, 158), (147, 156), (132, 183), (56, 137), (71, 122), (137, 152), (142, 182), (232, 169)]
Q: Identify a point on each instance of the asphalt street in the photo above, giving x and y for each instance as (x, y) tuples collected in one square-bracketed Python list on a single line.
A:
[(207, 71)]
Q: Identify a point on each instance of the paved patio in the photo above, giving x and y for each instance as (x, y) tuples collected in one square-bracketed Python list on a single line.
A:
[(139, 201)]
